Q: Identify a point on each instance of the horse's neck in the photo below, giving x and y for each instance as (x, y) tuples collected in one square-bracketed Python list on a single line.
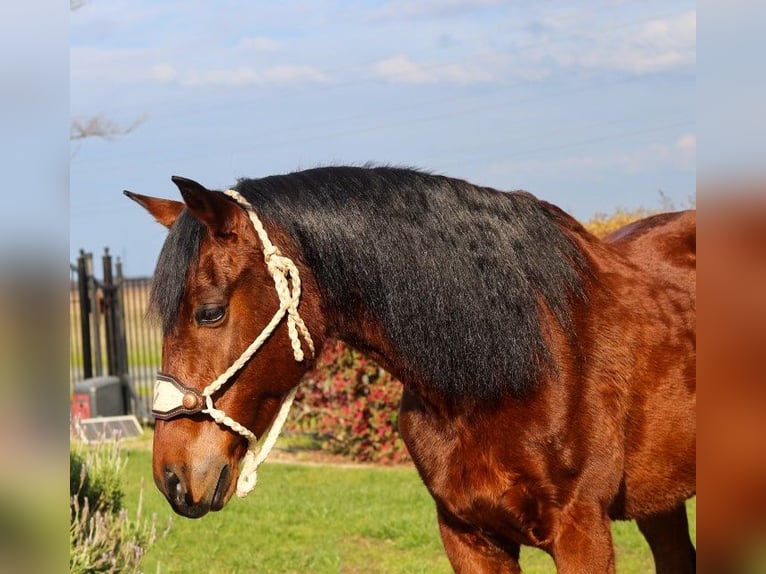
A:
[(441, 312)]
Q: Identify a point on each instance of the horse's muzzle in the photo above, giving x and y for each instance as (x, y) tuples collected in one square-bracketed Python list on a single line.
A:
[(174, 485)]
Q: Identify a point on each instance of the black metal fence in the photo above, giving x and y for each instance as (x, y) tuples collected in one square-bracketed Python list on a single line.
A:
[(109, 331)]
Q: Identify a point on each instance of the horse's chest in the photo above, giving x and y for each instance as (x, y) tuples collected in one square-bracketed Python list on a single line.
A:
[(473, 484), (503, 503)]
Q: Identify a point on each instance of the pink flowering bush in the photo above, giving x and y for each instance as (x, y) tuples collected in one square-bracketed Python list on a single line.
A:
[(352, 405)]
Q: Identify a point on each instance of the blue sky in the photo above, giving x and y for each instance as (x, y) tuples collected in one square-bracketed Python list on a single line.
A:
[(588, 105)]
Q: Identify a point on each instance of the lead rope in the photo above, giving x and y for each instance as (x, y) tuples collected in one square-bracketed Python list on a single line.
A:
[(287, 283)]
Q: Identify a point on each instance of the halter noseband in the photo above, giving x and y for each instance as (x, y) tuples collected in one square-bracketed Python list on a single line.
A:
[(173, 399)]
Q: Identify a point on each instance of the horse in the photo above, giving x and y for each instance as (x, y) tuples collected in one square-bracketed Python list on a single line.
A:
[(549, 376)]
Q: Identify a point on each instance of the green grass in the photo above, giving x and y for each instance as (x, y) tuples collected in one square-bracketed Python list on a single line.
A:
[(323, 519), (303, 519), (142, 357)]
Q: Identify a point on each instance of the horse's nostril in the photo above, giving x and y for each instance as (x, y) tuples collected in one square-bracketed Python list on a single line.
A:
[(171, 480), (172, 484)]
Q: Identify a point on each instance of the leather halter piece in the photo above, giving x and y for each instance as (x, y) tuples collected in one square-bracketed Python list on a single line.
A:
[(172, 398)]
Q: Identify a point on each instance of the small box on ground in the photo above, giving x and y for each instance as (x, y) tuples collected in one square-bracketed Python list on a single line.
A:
[(98, 397)]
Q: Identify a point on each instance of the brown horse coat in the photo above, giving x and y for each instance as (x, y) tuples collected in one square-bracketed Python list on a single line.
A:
[(596, 340)]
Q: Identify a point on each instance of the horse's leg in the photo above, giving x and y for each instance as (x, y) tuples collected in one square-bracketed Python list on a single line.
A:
[(668, 537), (471, 553), (583, 543)]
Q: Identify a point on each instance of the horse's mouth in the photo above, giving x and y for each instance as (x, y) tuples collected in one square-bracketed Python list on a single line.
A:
[(221, 489)]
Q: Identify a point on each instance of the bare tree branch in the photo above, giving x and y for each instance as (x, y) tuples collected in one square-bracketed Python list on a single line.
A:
[(99, 126)]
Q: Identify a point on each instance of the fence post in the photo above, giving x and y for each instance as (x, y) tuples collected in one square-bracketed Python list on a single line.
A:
[(82, 291), (121, 341), (95, 315), (111, 339), (120, 330)]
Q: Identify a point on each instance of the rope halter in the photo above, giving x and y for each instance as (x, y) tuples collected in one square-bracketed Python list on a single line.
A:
[(172, 399)]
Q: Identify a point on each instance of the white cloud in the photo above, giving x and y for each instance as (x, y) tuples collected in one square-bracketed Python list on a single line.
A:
[(402, 70), (290, 74), (655, 45), (413, 9), (136, 66), (249, 76), (575, 39)]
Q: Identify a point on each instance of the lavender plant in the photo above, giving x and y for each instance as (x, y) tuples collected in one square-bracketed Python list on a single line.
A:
[(103, 536)]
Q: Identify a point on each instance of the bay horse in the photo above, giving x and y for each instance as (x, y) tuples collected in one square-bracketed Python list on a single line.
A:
[(549, 376)]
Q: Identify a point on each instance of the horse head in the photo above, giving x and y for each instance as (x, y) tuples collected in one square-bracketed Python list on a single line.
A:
[(215, 295)]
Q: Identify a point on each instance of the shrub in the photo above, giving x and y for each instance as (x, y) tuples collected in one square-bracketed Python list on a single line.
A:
[(94, 477), (352, 405), (102, 535), (602, 224)]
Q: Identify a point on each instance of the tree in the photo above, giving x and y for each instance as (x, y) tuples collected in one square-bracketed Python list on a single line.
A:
[(99, 126)]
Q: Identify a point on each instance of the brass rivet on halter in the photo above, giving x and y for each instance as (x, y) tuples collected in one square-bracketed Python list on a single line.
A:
[(190, 401), (172, 398)]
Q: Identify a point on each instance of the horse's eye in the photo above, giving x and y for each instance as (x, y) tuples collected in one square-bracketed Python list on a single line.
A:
[(209, 314)]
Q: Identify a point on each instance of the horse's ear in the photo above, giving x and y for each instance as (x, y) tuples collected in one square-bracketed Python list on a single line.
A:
[(164, 211), (214, 209)]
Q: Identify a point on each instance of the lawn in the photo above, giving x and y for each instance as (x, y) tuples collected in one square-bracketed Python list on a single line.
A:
[(323, 519)]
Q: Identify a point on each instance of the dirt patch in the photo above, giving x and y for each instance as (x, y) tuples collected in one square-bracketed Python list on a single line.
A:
[(314, 457), (323, 458)]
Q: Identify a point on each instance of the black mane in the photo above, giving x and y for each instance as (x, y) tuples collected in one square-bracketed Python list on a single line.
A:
[(454, 273), (177, 256)]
